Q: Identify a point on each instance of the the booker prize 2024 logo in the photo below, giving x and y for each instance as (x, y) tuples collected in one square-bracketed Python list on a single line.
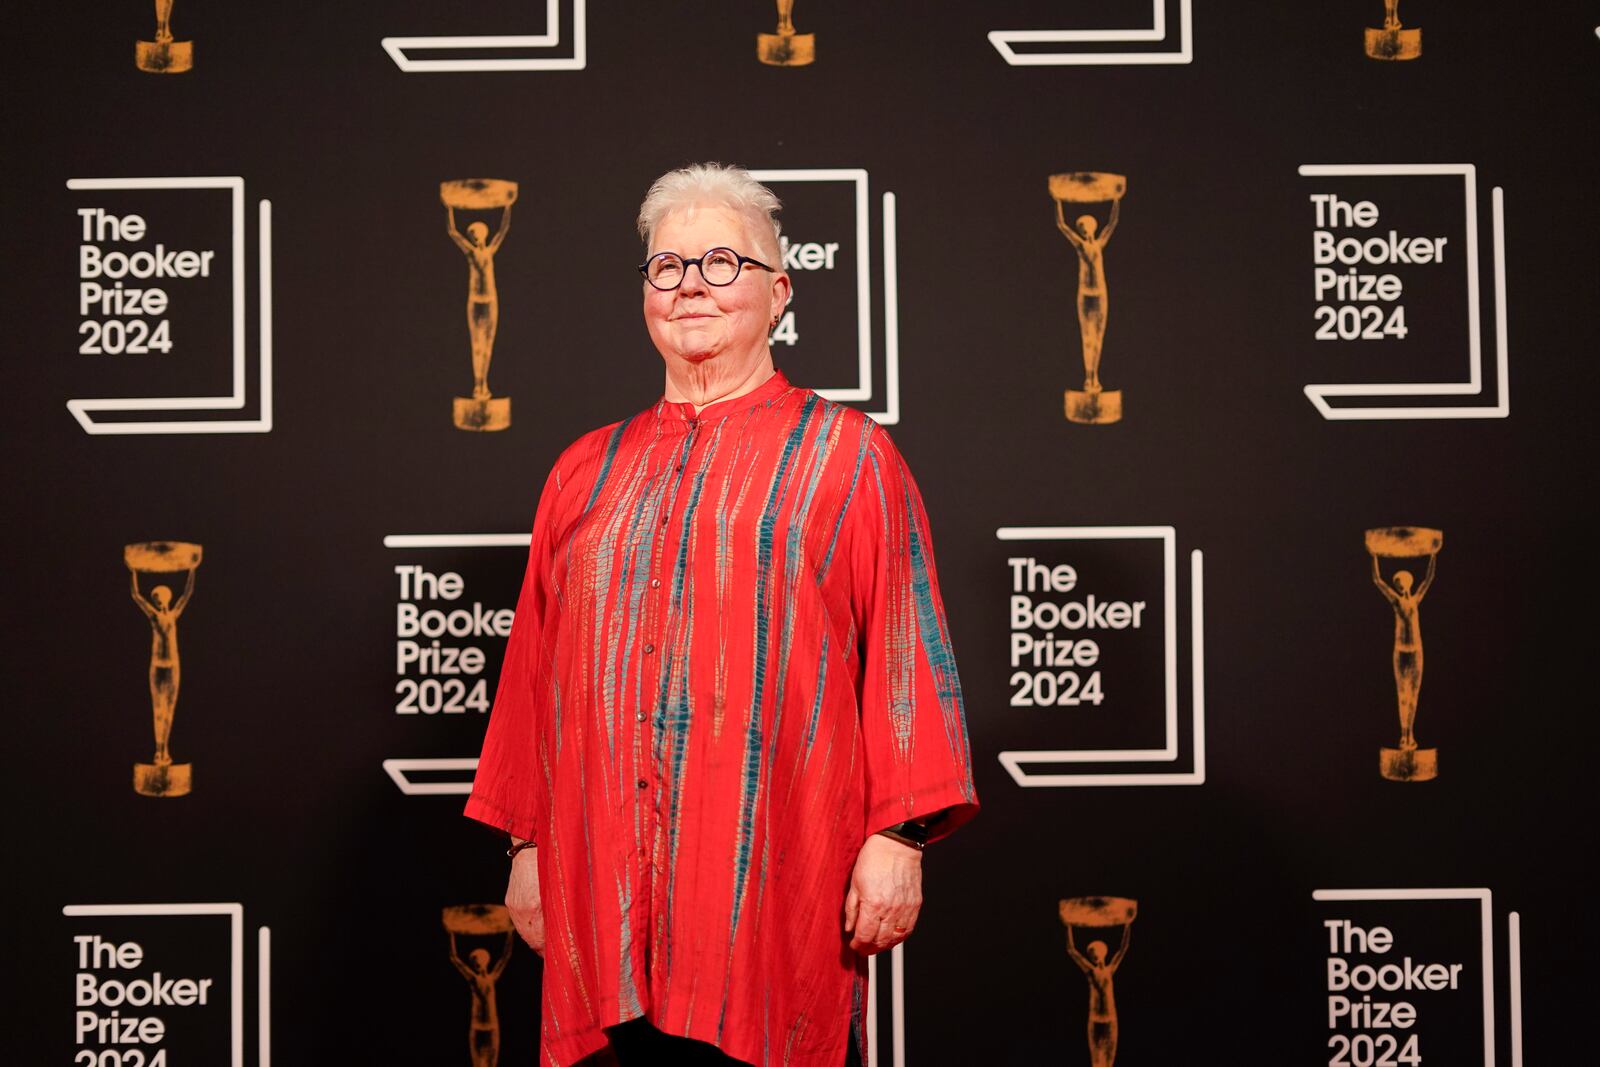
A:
[(842, 324), (447, 648), (119, 316), (153, 981), (155, 568), (1395, 293), (162, 308), (440, 666), (1092, 662), (1408, 978)]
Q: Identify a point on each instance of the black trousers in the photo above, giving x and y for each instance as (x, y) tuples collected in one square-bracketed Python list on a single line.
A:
[(636, 1042)]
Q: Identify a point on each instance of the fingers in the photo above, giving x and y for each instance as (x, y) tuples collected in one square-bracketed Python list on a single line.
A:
[(868, 919), (852, 904), (873, 939), (897, 926), (879, 928)]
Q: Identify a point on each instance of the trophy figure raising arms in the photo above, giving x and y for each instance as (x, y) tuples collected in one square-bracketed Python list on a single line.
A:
[(1099, 965), (480, 411), (481, 969), (1092, 404), (1407, 763), (161, 777)]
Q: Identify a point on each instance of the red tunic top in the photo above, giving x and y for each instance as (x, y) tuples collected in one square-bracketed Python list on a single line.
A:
[(729, 667)]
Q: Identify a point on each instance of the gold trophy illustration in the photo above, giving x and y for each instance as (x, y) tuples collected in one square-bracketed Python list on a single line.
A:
[(1392, 41), (153, 559), (481, 410), (785, 48), (480, 920), (1097, 968), (163, 55), (1092, 404), (1407, 763)]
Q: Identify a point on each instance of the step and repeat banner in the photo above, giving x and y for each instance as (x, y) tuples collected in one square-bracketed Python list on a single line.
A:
[(1242, 353)]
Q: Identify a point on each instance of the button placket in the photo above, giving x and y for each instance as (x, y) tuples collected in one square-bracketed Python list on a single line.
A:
[(663, 555), (655, 624)]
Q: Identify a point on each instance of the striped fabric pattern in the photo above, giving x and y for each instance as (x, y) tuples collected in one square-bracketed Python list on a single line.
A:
[(729, 667)]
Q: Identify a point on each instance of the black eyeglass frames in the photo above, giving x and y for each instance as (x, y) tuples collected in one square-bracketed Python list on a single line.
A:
[(718, 266)]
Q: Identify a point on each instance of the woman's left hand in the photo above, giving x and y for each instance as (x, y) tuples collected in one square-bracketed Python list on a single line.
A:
[(885, 895)]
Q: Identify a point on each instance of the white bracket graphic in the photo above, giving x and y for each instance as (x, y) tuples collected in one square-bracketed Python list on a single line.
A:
[(399, 770), (1014, 761), (863, 389), (1485, 901), (1514, 952), (1473, 386), (84, 409), (1157, 31), (551, 38), (897, 1007), (235, 915)]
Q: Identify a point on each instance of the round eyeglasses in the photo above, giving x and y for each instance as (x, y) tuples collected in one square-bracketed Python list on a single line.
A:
[(719, 266)]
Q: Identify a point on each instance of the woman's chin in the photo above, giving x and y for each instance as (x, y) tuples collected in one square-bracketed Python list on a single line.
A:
[(699, 356)]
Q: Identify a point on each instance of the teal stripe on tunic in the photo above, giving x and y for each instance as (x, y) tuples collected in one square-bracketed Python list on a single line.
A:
[(677, 709), (613, 443), (753, 738), (935, 638)]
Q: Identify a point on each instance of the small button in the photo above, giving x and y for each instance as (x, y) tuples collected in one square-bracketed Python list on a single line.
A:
[(663, 522), (643, 784), (649, 648), (641, 717), (680, 468), (643, 853), (655, 583)]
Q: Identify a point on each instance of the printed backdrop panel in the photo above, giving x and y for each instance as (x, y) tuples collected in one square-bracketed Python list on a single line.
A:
[(1241, 353)]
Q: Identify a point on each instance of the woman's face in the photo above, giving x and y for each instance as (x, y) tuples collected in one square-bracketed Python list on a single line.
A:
[(697, 322)]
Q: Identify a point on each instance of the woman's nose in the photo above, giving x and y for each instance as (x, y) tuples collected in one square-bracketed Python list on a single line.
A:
[(694, 280)]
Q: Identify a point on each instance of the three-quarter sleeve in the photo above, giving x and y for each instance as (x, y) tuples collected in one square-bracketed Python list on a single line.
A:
[(917, 758), (507, 792)]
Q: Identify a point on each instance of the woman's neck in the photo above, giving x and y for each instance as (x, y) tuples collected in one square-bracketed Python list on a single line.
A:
[(709, 381)]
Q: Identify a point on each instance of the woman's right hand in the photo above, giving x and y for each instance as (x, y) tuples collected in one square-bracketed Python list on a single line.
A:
[(522, 899)]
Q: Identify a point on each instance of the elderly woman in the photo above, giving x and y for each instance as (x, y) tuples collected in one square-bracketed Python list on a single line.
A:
[(728, 718)]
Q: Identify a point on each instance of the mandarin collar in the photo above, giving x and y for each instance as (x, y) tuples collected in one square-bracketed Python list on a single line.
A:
[(683, 411)]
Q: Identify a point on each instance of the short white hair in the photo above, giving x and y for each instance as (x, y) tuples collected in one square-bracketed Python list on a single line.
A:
[(721, 185)]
